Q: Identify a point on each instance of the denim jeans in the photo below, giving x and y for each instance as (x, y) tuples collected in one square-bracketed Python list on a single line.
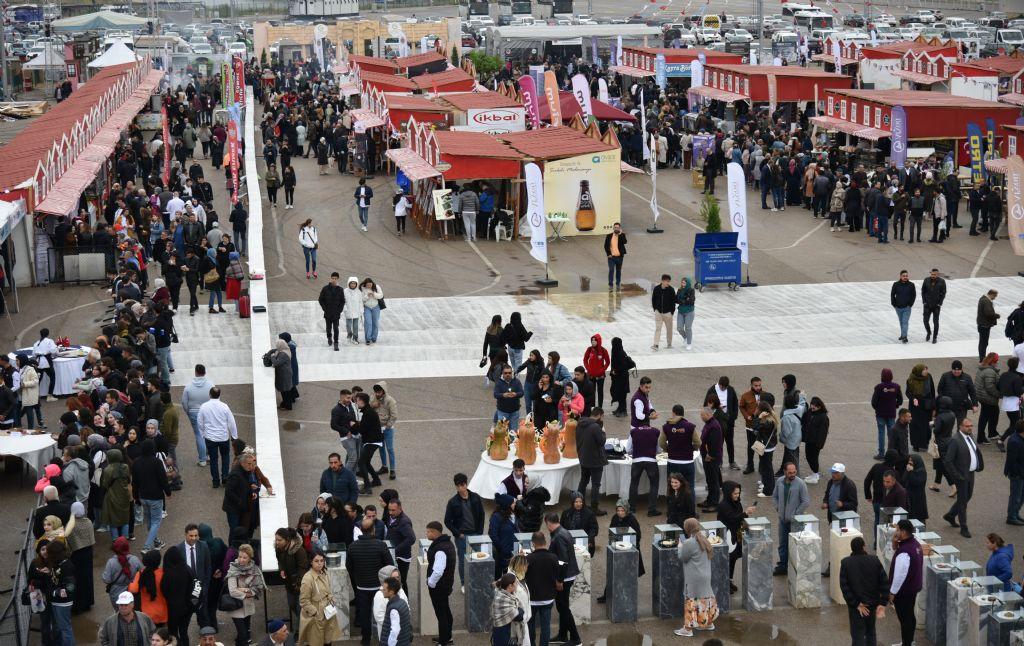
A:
[(371, 318), (1016, 499), (163, 358), (884, 424), (193, 418), (883, 228), (528, 390), (62, 625), (513, 418), (541, 616), (684, 323), (219, 295), (364, 215), (352, 328), (387, 449), (154, 510), (615, 270), (309, 254), (903, 313), (460, 549), (118, 530), (783, 544), (765, 191), (221, 450), (515, 357), (778, 196), (241, 242), (32, 415)]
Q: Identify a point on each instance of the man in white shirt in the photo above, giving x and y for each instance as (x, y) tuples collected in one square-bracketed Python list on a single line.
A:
[(441, 559), (217, 425), (175, 205), (962, 461), (45, 350)]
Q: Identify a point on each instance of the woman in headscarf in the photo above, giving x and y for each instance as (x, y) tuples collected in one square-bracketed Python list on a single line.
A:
[(700, 608), (546, 397), (915, 482), (621, 364), (281, 360), (245, 583), (921, 399), (571, 404), (81, 539), (506, 613), (235, 274), (731, 514), (117, 501), (622, 518), (147, 585), (502, 531), (380, 604), (54, 529), (579, 516), (162, 295), (177, 587), (120, 569), (217, 552), (315, 596), (213, 280)]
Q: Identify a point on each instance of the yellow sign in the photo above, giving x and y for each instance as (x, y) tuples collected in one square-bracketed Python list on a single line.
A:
[(585, 191)]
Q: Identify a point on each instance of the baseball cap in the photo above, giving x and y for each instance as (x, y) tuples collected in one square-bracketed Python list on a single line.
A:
[(125, 598), (838, 467)]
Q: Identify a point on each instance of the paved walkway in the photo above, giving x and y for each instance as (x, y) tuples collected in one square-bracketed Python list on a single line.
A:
[(781, 324)]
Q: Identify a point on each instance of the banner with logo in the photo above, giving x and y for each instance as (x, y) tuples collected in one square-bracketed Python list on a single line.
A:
[(974, 146), (696, 74), (233, 159), (535, 213), (167, 146), (654, 179), (595, 59), (738, 208), (643, 126), (602, 89), (837, 55), (238, 79), (225, 83), (530, 99), (551, 94), (581, 91), (584, 189), (537, 74), (660, 71), (1015, 203), (773, 92), (496, 121), (899, 136), (618, 50), (990, 139)]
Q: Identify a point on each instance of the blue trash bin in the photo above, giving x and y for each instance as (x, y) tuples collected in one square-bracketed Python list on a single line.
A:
[(717, 259)]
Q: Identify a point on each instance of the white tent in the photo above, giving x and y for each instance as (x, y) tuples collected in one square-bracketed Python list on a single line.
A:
[(99, 20), (51, 57), (116, 54)]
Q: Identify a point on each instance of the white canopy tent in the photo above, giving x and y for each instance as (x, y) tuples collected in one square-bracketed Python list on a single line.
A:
[(51, 57), (99, 20), (117, 54)]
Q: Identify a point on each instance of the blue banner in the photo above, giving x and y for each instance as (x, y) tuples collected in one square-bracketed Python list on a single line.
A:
[(990, 140), (677, 70), (899, 136), (659, 71), (974, 145), (593, 52)]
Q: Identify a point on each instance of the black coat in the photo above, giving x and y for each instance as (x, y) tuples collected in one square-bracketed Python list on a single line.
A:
[(236, 492), (590, 439), (933, 295), (815, 430), (915, 482), (731, 403), (847, 495), (364, 558), (332, 301), (453, 515), (959, 389), (863, 580), (608, 244)]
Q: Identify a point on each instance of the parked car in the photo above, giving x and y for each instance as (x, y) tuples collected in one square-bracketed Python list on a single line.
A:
[(926, 16), (708, 35), (738, 36), (854, 20)]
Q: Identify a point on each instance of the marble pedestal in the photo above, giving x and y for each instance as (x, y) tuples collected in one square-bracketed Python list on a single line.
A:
[(579, 596), (838, 549), (758, 564), (341, 589), (720, 575), (1017, 638), (1002, 624), (666, 581), (980, 608), (479, 594), (921, 612), (622, 572), (936, 576), (804, 578), (424, 621), (958, 611), (883, 544)]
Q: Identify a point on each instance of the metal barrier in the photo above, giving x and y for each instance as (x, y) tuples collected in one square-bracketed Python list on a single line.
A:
[(79, 264), (16, 617)]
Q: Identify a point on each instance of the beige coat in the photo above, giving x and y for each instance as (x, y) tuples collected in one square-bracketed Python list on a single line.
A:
[(314, 596), (237, 588)]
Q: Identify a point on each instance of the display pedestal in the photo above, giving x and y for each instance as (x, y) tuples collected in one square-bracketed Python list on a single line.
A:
[(1017, 636), (479, 594), (579, 596), (805, 570), (758, 564), (419, 598), (1001, 624), (838, 549), (666, 581), (341, 590), (958, 610), (622, 569), (883, 544), (939, 554), (936, 576)]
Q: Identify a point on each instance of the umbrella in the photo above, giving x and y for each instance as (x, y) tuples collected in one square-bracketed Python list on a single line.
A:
[(117, 54), (99, 20)]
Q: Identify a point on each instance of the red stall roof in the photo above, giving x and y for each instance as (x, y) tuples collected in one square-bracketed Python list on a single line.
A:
[(903, 46), (554, 143), (447, 79), (470, 100), (919, 99), (372, 63), (386, 82), (777, 70), (570, 108), (473, 144), (999, 65), (417, 102), (424, 58)]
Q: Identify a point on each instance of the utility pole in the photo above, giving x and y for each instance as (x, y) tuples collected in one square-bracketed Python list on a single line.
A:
[(3, 51), (759, 17)]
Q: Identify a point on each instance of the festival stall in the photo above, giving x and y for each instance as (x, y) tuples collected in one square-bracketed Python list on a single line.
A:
[(640, 62), (430, 62), (485, 111), (991, 79), (1015, 96), (397, 109), (875, 65), (372, 64), (383, 82), (450, 80), (922, 70), (571, 108)]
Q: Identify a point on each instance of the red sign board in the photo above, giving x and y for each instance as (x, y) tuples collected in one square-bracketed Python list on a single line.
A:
[(238, 79), (167, 146), (233, 158)]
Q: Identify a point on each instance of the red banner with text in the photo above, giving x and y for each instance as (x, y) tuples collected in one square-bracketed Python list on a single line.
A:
[(233, 158), (167, 146)]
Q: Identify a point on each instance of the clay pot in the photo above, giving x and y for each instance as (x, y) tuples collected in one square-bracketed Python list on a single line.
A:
[(569, 439), (549, 444), (526, 442)]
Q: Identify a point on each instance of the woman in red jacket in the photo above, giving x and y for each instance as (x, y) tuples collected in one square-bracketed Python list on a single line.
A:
[(596, 362)]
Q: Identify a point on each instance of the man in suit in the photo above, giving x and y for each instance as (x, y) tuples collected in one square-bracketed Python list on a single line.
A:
[(197, 559), (962, 461)]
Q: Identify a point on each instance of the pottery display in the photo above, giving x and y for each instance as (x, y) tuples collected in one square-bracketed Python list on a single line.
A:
[(526, 442), (569, 439), (549, 443), (497, 441)]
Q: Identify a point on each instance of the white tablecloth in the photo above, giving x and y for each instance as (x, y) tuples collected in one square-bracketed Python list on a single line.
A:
[(615, 479), (35, 450), (68, 371)]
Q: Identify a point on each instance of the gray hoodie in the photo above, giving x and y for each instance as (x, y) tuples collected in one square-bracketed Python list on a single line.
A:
[(196, 394), (77, 471)]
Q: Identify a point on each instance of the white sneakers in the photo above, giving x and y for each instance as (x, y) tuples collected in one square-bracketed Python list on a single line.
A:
[(689, 346), (364, 228), (812, 479), (683, 632)]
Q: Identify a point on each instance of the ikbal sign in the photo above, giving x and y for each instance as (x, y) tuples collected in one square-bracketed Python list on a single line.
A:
[(496, 120)]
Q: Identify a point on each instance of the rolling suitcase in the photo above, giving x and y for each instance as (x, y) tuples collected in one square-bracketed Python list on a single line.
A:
[(244, 307)]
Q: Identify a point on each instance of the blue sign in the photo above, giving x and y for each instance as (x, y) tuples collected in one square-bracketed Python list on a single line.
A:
[(659, 71), (677, 70), (974, 145), (899, 136)]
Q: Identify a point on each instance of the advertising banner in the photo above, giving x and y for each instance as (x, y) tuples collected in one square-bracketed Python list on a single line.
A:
[(837, 54), (643, 126), (899, 136), (496, 121), (660, 73), (618, 50), (738, 208), (594, 58), (654, 179), (537, 74), (581, 91), (238, 79), (974, 146), (167, 146), (773, 92), (225, 83), (702, 145), (551, 94), (1015, 203), (535, 213), (528, 87), (602, 90), (443, 204), (584, 189), (990, 139), (696, 74), (233, 159)]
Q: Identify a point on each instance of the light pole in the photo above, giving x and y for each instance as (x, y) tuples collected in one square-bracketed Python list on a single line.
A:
[(759, 17)]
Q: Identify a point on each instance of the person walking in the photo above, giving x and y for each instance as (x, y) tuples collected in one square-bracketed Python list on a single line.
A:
[(147, 585), (469, 201), (885, 400), (700, 607), (362, 196), (332, 304), (686, 295), (515, 335), (791, 499), (933, 293), (217, 425), (120, 569), (865, 589), (178, 589), (562, 547), (316, 602), (273, 182), (196, 556), (1013, 469), (615, 250), (590, 440), (663, 301), (213, 280), (373, 301), (906, 578), (310, 242), (543, 579), (959, 387), (902, 297), (986, 385), (150, 489), (962, 460), (441, 562), (371, 434), (353, 309), (921, 399), (364, 559), (288, 180), (994, 208), (987, 318)]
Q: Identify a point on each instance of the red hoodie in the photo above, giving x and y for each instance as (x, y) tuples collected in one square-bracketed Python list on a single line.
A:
[(596, 359)]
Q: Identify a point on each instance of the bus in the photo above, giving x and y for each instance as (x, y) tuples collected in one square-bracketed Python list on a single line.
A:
[(712, 21), (813, 20)]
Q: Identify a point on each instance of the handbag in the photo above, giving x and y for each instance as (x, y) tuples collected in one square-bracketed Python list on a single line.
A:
[(759, 447), (227, 603), (933, 449), (381, 304), (211, 276)]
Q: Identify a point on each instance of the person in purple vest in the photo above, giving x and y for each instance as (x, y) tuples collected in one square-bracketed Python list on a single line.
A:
[(643, 446), (517, 482), (640, 410), (906, 575)]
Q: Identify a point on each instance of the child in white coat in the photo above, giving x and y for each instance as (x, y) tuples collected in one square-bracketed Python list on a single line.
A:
[(353, 308)]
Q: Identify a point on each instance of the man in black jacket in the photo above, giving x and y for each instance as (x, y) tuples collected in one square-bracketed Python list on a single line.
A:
[(150, 487), (865, 589), (731, 407), (346, 424), (364, 558), (544, 580), (238, 494), (663, 301), (464, 516), (1014, 470), (398, 529), (590, 439), (562, 546), (987, 318), (902, 297), (332, 302), (959, 387), (962, 460), (933, 293), (840, 492), (440, 579), (615, 250)]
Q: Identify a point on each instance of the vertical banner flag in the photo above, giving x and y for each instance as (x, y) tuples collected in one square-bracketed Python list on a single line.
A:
[(535, 213), (837, 56), (618, 50), (537, 74), (738, 208), (990, 138), (602, 90), (696, 74), (753, 57), (233, 159), (595, 59), (581, 90), (238, 79), (772, 92), (167, 146), (1015, 203), (554, 101), (643, 126), (654, 178), (899, 136), (530, 98), (660, 72), (974, 145)]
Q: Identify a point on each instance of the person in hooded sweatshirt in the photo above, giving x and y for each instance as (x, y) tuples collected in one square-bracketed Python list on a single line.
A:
[(195, 395), (596, 361), (76, 470), (886, 399), (353, 309), (515, 335), (915, 480)]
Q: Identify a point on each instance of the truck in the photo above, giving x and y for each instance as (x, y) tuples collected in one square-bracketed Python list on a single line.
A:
[(25, 13)]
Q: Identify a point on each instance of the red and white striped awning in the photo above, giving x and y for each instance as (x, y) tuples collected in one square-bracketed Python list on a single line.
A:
[(857, 130), (718, 95), (415, 167), (1013, 98), (918, 77), (629, 70), (348, 88), (367, 118)]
